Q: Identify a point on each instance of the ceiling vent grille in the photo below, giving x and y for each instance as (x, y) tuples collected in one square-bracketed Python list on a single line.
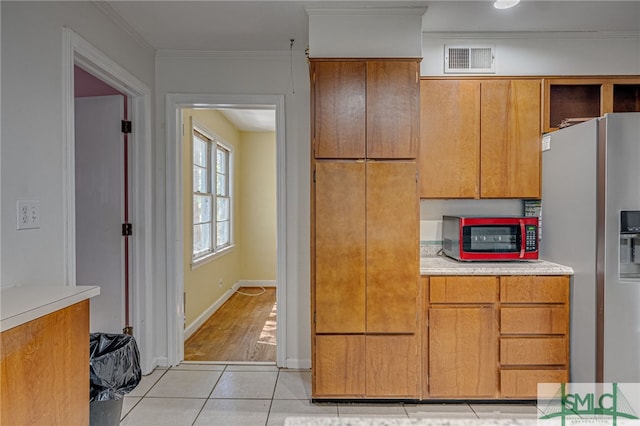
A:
[(469, 59)]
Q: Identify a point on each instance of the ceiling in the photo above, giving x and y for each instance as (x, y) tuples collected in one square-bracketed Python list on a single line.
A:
[(268, 25)]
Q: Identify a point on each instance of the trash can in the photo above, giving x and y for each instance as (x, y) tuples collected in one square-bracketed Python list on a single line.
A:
[(114, 368)]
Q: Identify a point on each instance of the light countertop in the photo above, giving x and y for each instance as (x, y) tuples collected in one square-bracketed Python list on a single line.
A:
[(19, 305), (442, 265)]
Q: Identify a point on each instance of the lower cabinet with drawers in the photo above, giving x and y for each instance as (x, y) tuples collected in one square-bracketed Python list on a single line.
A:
[(494, 337)]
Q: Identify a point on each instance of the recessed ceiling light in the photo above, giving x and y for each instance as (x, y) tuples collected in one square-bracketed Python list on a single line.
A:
[(505, 4)]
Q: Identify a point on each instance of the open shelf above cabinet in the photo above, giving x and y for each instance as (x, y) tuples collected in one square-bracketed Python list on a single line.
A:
[(569, 100)]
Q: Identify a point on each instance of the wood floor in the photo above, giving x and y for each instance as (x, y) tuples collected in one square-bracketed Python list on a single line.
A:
[(242, 329)]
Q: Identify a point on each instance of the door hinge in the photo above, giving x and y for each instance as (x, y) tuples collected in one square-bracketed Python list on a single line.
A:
[(314, 317), (127, 229), (314, 176), (126, 126)]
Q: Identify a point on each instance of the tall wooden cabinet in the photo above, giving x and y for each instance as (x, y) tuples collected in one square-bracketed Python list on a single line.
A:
[(365, 225), (480, 138)]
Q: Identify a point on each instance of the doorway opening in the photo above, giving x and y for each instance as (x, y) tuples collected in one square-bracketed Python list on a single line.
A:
[(180, 228), (77, 52), (102, 199), (230, 250)]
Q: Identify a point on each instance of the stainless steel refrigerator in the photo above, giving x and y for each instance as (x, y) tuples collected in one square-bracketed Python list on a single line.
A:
[(591, 222)]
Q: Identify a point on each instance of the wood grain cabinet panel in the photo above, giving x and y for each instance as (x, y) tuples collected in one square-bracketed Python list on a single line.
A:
[(534, 320), (533, 351), (392, 246), (534, 289), (510, 157), (463, 289), (393, 109), (44, 367), (480, 138), (340, 109), (392, 366), (339, 365), (340, 277), (524, 383), (449, 157), (462, 352)]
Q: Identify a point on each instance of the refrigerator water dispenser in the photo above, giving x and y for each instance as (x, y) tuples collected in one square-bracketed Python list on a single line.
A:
[(630, 244)]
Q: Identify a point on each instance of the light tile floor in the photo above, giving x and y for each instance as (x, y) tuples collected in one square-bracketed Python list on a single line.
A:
[(252, 395)]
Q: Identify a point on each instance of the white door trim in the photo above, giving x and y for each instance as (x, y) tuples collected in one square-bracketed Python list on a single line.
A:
[(77, 51), (175, 241)]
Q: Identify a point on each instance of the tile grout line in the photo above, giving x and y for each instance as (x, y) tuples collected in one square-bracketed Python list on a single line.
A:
[(209, 395), (144, 395), (273, 395)]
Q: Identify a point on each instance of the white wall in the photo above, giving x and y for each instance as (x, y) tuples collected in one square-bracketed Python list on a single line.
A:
[(365, 32), (32, 103), (250, 73), (544, 53)]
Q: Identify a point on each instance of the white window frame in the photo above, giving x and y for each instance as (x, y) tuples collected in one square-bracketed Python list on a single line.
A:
[(214, 141)]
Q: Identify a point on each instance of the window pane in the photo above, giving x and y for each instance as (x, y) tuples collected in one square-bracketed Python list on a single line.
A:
[(199, 151), (201, 239), (222, 212), (201, 208), (221, 160), (199, 179), (221, 185), (222, 238)]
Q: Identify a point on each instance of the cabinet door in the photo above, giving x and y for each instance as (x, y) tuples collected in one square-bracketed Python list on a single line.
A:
[(339, 290), (393, 103), (339, 102), (449, 138), (339, 365), (392, 247), (45, 370), (462, 352), (392, 366), (510, 139)]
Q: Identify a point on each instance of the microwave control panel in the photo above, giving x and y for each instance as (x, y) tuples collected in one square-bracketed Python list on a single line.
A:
[(531, 238)]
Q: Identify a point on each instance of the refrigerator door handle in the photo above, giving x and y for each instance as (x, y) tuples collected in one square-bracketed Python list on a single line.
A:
[(523, 239)]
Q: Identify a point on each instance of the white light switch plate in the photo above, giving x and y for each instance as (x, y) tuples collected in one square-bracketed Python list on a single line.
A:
[(546, 142), (28, 214)]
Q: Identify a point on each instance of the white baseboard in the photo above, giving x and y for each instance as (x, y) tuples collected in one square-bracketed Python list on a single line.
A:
[(203, 317), (258, 283), (298, 364)]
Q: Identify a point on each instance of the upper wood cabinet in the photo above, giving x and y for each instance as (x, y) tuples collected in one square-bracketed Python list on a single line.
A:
[(510, 151), (365, 108), (480, 138), (579, 98), (340, 109), (449, 138)]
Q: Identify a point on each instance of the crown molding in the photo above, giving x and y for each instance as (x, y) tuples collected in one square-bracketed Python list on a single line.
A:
[(362, 11), (111, 13), (534, 35), (228, 54)]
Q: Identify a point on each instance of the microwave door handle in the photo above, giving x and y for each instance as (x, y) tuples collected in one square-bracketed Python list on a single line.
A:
[(523, 240)]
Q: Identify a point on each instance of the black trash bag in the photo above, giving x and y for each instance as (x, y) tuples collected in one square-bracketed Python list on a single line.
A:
[(114, 365)]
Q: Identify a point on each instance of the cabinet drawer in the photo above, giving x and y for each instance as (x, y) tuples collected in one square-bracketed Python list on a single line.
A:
[(533, 320), (533, 351), (462, 289), (534, 289), (524, 383)]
